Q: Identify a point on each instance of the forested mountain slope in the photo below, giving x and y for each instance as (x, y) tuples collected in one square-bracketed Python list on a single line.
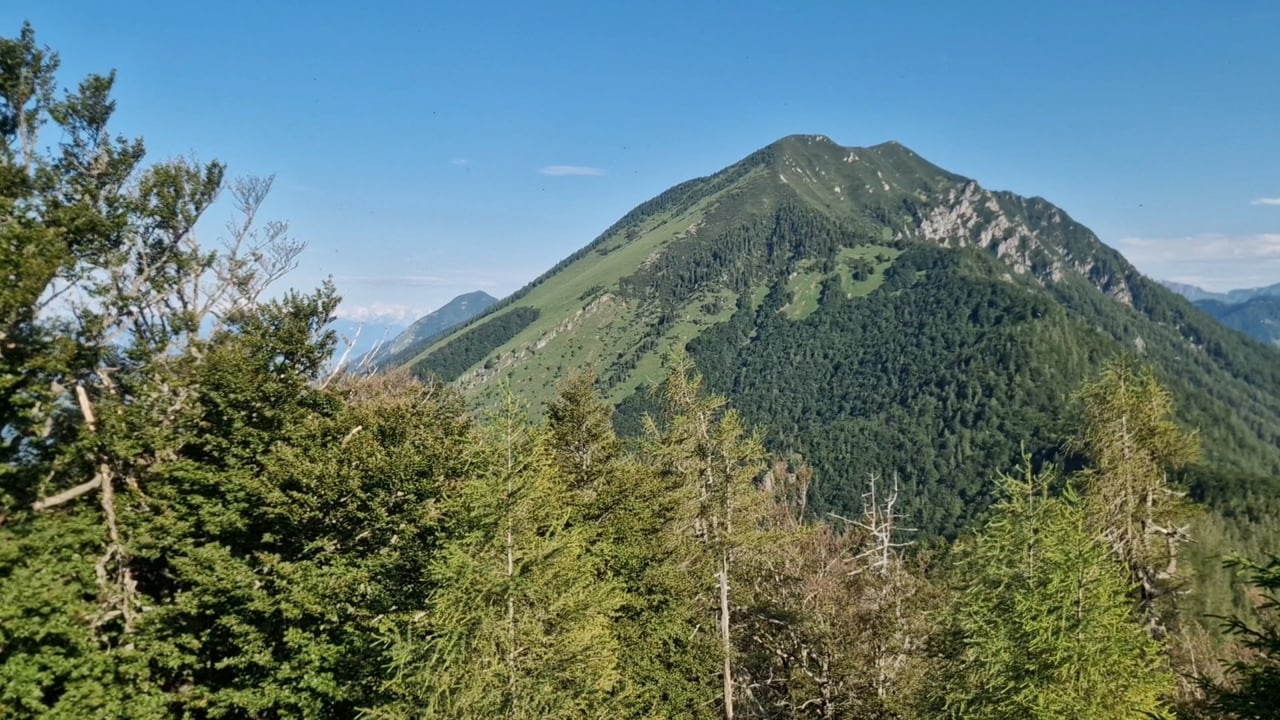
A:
[(1258, 317), (874, 313)]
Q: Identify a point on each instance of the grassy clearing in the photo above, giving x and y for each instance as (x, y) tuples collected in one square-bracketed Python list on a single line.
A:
[(804, 287), (880, 256), (693, 320)]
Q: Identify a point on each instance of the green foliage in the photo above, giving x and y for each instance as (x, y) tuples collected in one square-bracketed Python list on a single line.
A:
[(1043, 622), (704, 448), (856, 380), (1130, 441), (279, 572), (1252, 689), (638, 521), (518, 623), (224, 561), (198, 520), (974, 342)]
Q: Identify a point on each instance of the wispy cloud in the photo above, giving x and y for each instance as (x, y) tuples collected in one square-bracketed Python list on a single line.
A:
[(567, 170), (460, 161), (1214, 261), (379, 312), (1266, 201)]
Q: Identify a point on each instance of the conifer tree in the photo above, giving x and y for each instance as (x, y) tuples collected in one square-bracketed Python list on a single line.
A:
[(586, 447), (706, 448), (637, 519), (1043, 619), (1129, 439), (155, 559), (1252, 687), (518, 625)]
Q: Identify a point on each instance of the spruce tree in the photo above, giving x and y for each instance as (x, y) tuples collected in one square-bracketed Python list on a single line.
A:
[(637, 519), (1043, 620), (518, 623)]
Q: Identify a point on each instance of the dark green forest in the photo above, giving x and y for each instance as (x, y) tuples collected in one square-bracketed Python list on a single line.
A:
[(201, 518)]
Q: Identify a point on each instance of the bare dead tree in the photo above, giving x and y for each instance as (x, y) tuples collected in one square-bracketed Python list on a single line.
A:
[(880, 519)]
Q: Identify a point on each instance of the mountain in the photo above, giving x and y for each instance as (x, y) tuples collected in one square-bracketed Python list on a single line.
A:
[(1253, 311), (1192, 292), (874, 313), (1231, 297), (1258, 317), (429, 327)]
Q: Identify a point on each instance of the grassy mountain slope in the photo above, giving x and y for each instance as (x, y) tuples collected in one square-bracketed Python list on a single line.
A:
[(877, 314)]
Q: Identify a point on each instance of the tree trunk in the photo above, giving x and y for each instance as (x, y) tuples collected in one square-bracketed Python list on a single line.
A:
[(726, 644), (511, 603)]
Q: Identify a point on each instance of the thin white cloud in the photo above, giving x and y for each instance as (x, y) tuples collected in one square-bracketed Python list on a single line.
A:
[(459, 161), (379, 312), (1266, 201), (1213, 261), (570, 170)]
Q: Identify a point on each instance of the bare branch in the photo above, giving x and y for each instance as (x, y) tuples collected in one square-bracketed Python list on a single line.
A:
[(351, 434), (341, 364), (67, 495), (85, 408)]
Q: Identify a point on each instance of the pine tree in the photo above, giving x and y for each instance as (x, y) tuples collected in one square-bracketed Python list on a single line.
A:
[(518, 625), (1043, 619)]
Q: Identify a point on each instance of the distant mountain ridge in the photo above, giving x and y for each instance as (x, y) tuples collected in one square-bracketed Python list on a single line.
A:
[(1231, 297), (1253, 311), (427, 328), (1258, 317)]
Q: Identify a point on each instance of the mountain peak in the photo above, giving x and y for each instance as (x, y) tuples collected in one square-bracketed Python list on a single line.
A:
[(802, 139), (887, 167)]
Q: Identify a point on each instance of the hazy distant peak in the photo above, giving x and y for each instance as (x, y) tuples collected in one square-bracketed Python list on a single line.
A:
[(430, 326)]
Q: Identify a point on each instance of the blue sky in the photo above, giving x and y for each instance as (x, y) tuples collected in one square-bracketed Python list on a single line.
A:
[(424, 149)]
